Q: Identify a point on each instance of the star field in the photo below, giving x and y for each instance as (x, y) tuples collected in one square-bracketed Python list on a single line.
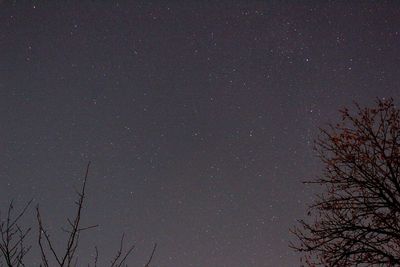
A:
[(198, 118)]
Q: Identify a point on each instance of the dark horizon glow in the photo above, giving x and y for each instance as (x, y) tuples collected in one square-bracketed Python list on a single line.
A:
[(198, 119)]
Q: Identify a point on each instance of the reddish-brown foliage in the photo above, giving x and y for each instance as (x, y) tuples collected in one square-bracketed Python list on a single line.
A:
[(356, 220)]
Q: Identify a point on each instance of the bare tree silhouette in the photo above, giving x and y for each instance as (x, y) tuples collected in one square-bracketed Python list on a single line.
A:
[(13, 248), (355, 221)]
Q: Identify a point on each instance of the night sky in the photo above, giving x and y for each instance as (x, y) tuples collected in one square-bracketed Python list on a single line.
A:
[(198, 117)]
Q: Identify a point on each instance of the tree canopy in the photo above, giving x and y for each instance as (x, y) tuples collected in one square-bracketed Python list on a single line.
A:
[(355, 220)]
